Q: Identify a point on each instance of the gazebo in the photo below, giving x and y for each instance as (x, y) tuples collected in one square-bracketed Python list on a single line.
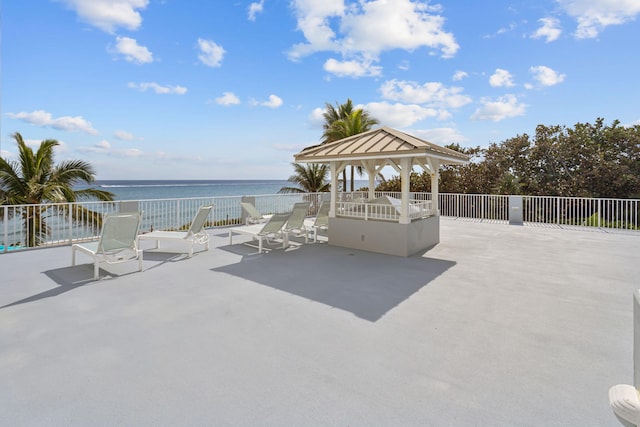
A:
[(386, 225)]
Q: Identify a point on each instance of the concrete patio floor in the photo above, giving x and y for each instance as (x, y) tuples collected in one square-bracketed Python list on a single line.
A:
[(498, 325)]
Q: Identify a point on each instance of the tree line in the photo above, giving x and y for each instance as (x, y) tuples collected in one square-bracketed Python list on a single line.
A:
[(588, 160)]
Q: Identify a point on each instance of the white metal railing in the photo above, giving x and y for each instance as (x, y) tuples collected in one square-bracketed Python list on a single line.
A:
[(387, 212), (602, 213), (23, 226), (478, 206)]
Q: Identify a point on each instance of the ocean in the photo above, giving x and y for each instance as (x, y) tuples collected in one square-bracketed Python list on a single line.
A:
[(178, 189)]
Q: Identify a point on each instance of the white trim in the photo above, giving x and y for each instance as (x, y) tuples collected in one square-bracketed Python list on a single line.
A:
[(381, 156)]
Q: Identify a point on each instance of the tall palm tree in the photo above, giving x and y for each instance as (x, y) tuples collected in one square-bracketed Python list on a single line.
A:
[(35, 179), (344, 122), (311, 178)]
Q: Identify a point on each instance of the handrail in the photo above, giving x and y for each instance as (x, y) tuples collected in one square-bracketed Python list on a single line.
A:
[(24, 225), (383, 212)]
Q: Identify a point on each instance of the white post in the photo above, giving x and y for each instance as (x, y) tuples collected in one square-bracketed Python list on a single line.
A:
[(372, 189), (5, 241), (333, 166), (405, 181), (434, 165), (370, 167)]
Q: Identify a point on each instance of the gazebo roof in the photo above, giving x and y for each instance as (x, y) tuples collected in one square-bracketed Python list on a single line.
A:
[(379, 144)]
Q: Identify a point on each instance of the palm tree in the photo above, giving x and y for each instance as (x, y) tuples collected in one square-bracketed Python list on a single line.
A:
[(34, 179), (311, 178), (344, 122)]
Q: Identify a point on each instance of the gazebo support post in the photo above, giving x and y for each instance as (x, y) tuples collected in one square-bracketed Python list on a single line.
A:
[(333, 166), (336, 168), (405, 182), (434, 165), (370, 167)]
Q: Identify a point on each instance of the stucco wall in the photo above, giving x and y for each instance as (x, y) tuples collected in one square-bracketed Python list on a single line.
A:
[(384, 236)]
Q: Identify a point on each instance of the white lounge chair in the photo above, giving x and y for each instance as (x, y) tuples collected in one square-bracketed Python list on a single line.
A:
[(117, 242), (253, 216), (321, 221), (296, 220), (273, 228), (625, 398), (196, 234)]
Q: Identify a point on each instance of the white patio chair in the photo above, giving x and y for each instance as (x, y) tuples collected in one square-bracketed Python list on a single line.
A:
[(321, 221), (253, 216), (196, 234), (272, 229), (296, 220), (117, 242)]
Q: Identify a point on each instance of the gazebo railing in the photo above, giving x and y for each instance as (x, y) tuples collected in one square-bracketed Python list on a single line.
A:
[(382, 212)]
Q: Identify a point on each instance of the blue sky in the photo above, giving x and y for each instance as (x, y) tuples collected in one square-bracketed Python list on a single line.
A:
[(169, 89)]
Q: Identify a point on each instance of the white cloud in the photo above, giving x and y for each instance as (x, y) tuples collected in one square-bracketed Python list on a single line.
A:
[(545, 76), (549, 30), (351, 68), (401, 24), (227, 98), (502, 108), (365, 29), (512, 26), (45, 119), (594, 16), (440, 136), (162, 90), (433, 94), (313, 20), (404, 65), (108, 15), (132, 51), (211, 54), (273, 102), (293, 148), (501, 78), (459, 75), (5, 154), (254, 9), (126, 136), (105, 147), (316, 117), (401, 115)]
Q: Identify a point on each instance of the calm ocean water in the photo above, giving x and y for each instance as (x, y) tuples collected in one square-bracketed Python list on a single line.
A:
[(141, 190), (164, 189)]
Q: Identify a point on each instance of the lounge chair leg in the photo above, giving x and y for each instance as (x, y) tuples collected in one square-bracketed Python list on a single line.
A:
[(73, 255), (96, 270), (230, 237), (260, 245)]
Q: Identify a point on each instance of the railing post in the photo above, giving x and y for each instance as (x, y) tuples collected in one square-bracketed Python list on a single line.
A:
[(178, 214), (557, 210), (599, 210), (5, 216), (70, 223)]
